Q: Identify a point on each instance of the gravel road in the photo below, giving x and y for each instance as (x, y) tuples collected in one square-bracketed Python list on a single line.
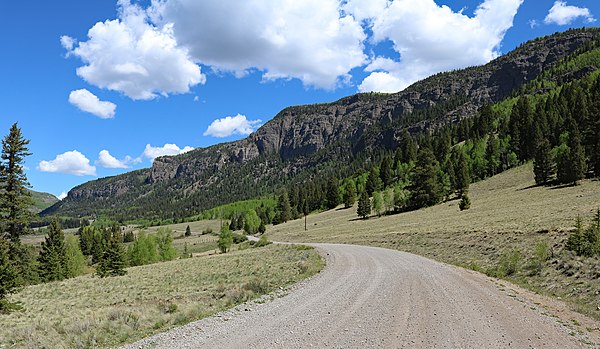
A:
[(371, 297)]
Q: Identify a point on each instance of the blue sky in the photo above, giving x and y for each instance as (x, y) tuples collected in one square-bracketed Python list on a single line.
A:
[(101, 87)]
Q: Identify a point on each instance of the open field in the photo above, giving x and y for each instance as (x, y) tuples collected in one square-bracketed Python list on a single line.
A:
[(508, 213), (89, 312)]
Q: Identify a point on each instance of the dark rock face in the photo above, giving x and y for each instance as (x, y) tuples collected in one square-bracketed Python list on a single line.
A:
[(298, 133)]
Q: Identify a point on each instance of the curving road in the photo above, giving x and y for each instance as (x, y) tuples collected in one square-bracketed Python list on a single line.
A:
[(371, 297)]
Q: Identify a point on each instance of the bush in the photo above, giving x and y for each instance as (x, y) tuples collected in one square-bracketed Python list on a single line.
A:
[(239, 238), (541, 254), (262, 242), (225, 239), (585, 242), (509, 263), (465, 202)]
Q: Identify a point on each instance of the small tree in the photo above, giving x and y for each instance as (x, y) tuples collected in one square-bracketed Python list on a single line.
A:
[(113, 259), (333, 194), (364, 205), (465, 202), (285, 210), (225, 239), (164, 244), (543, 166), (252, 222), (377, 203), (75, 260), (349, 194), (388, 200), (143, 250), (52, 259), (188, 231)]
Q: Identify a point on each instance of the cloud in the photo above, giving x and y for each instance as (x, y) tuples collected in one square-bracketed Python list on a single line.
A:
[(231, 125), (132, 56), (71, 162), (67, 42), (108, 161), (431, 38), (88, 102), (62, 196), (563, 14), (309, 40), (166, 150)]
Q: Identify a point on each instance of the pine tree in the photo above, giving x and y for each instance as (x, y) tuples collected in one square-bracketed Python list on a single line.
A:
[(349, 194), (285, 211), (188, 231), (425, 188), (465, 202), (53, 259), (577, 154), (386, 172), (333, 193), (113, 260), (543, 166), (364, 205), (374, 182), (8, 276)]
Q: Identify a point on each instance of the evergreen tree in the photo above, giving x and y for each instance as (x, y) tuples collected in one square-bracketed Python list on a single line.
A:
[(364, 205), (543, 166), (349, 193), (285, 211), (333, 193), (386, 172), (113, 260), (373, 181), (188, 231), (409, 148), (15, 199), (53, 259), (562, 158), (577, 155), (425, 189), (8, 276)]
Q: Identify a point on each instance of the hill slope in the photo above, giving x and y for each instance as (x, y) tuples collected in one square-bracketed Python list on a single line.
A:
[(300, 141), (42, 201)]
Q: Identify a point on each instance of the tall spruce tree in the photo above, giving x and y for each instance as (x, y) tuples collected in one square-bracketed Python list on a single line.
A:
[(577, 154), (15, 199), (543, 166), (333, 193), (285, 210), (113, 260), (461, 171), (374, 182), (425, 188), (386, 172), (53, 259), (364, 205)]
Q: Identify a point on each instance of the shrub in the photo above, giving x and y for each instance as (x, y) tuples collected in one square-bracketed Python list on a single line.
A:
[(465, 202), (225, 239), (509, 263), (540, 255), (239, 238), (585, 242), (262, 242)]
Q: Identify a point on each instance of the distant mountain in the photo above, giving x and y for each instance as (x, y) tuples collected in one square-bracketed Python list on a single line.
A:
[(300, 142), (42, 201)]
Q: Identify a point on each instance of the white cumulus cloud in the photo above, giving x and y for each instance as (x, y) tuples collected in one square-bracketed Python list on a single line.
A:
[(563, 14), (71, 162), (90, 103), (310, 40), (135, 57), (62, 196), (231, 125), (166, 150), (108, 161), (430, 38)]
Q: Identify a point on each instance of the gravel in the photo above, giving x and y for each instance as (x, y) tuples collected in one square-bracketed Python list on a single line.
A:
[(370, 297)]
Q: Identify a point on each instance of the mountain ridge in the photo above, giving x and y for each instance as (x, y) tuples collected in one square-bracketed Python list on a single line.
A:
[(301, 138)]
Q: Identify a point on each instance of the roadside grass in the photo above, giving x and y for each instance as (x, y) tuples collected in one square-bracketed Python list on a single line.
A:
[(500, 235), (89, 312)]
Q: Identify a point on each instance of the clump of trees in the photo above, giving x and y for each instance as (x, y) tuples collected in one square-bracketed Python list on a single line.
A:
[(585, 242)]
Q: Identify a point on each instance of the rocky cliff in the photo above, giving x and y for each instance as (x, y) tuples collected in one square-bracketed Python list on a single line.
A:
[(298, 138)]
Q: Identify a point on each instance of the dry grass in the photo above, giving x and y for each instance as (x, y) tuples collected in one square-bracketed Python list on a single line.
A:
[(507, 213), (91, 312)]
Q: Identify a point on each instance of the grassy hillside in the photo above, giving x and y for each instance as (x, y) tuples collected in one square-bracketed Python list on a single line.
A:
[(89, 312), (42, 201), (508, 213)]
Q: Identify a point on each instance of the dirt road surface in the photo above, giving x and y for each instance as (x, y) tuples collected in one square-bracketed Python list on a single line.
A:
[(371, 297)]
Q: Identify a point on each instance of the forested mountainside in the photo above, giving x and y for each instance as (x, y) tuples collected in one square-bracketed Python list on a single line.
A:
[(308, 143)]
